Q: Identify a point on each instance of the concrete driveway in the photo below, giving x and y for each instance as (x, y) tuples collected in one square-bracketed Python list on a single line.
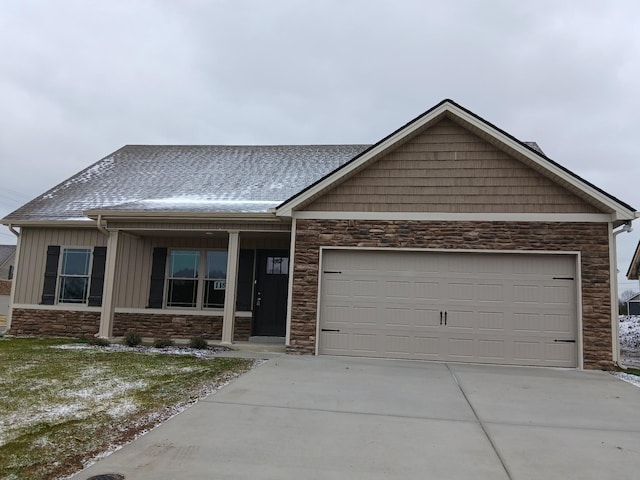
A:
[(346, 418)]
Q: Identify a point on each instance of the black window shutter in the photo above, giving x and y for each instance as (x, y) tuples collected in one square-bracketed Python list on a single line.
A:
[(50, 275), (97, 276), (245, 280), (156, 289)]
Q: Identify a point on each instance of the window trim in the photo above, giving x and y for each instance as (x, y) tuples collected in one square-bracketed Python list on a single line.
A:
[(60, 275), (201, 280)]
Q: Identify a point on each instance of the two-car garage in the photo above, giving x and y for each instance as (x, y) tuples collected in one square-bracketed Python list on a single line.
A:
[(501, 308)]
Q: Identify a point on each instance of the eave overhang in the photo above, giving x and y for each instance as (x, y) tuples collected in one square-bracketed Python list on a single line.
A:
[(181, 216)]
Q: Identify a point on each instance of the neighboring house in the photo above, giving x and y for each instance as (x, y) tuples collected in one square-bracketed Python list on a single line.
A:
[(633, 305), (448, 240), (7, 261)]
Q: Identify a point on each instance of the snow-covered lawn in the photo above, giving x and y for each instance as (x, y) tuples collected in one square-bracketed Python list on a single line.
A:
[(630, 347), (630, 332), (64, 404)]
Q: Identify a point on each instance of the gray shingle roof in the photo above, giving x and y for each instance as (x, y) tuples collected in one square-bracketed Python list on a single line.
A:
[(190, 179), (5, 252)]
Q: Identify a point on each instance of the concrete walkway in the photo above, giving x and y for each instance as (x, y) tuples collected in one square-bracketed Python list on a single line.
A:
[(346, 418)]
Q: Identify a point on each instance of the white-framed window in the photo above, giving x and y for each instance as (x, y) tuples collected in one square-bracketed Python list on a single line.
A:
[(196, 278), (74, 274)]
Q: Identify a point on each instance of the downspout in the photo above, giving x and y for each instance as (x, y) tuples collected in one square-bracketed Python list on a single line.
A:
[(14, 280), (100, 227), (615, 313)]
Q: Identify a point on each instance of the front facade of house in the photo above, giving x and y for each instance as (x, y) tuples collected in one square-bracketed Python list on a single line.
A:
[(633, 305), (448, 240)]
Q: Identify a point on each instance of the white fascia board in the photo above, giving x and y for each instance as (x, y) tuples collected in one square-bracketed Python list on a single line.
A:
[(80, 223), (456, 217)]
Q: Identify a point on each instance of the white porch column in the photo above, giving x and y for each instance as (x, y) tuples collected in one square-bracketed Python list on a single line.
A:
[(108, 292), (228, 319), (14, 281)]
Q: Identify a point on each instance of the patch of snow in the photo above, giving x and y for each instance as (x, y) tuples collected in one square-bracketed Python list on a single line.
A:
[(627, 377), (629, 331), (195, 199), (116, 347), (122, 409)]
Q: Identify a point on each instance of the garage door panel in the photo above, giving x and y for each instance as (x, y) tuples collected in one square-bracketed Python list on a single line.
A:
[(491, 351), (556, 294), (501, 308), (426, 317), (460, 319), (398, 289), (394, 317), (560, 354), (490, 321), (560, 324), (460, 291), (490, 292), (427, 290)]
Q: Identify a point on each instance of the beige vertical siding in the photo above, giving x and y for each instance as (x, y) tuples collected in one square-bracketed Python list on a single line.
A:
[(134, 258), (136, 254), (449, 169), (33, 256)]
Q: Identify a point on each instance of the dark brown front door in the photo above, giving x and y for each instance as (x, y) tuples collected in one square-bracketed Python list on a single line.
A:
[(270, 302)]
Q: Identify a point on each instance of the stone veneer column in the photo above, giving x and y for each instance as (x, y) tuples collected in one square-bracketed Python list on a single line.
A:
[(233, 253)]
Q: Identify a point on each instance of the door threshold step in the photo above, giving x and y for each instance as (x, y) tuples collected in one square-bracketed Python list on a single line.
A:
[(261, 339)]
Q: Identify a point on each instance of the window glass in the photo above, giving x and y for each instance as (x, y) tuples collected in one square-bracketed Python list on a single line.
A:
[(216, 265), (182, 293), (73, 289), (277, 265), (75, 261), (74, 275), (215, 283), (182, 289), (184, 264)]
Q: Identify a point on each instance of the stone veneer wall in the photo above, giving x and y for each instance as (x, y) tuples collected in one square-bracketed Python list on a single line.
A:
[(156, 325), (63, 323), (591, 239), (54, 323)]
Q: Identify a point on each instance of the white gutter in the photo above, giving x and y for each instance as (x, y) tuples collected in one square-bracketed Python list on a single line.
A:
[(13, 230)]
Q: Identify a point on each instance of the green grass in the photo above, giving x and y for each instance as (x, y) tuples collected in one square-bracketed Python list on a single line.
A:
[(61, 407)]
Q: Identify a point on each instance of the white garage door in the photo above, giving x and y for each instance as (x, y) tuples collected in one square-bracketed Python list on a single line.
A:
[(517, 309)]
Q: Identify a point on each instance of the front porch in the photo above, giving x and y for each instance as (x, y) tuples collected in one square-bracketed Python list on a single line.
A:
[(227, 283)]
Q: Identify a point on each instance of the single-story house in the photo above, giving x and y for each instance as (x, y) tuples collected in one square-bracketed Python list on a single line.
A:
[(633, 273), (633, 305), (7, 257), (7, 261), (449, 239)]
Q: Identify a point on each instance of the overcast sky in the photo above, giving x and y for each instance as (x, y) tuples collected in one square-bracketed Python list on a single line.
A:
[(79, 79)]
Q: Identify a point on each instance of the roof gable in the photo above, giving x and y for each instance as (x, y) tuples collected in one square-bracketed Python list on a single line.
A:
[(633, 273), (447, 169), (471, 122)]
